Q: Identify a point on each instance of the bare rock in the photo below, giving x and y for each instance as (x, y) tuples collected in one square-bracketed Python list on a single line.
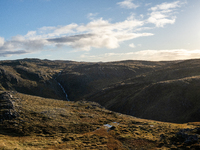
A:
[(7, 111)]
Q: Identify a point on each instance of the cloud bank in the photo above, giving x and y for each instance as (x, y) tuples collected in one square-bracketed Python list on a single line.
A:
[(98, 33), (151, 55)]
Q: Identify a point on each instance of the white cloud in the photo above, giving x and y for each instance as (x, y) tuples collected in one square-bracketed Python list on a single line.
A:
[(176, 54), (127, 4), (143, 28), (20, 45), (63, 30), (46, 28), (166, 6), (142, 16), (160, 19), (132, 45), (102, 34), (163, 14), (92, 15), (151, 55), (97, 33), (1, 41), (18, 38), (31, 34)]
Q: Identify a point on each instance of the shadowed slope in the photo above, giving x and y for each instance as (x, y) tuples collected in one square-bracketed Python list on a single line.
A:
[(84, 79), (32, 76), (168, 94)]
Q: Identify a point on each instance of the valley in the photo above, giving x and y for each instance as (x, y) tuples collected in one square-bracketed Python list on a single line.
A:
[(113, 105)]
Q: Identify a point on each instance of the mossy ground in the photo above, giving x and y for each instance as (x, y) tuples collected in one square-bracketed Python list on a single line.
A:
[(56, 124)]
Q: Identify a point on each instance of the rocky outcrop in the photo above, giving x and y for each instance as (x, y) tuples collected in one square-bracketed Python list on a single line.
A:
[(186, 137), (29, 73), (7, 109), (9, 76)]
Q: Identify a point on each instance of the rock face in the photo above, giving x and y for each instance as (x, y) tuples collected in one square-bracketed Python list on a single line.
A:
[(7, 110), (8, 76)]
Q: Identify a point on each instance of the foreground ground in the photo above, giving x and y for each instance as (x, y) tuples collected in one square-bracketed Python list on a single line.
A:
[(31, 122)]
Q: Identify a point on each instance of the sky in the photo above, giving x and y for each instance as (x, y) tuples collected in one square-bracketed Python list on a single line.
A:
[(100, 30)]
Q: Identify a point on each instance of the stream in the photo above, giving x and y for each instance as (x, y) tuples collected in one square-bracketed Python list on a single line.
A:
[(66, 96)]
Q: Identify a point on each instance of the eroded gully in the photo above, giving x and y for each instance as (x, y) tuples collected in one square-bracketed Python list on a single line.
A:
[(66, 96)]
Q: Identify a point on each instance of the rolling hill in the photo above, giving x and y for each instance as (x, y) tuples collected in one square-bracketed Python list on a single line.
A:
[(165, 91), (106, 103), (32, 122)]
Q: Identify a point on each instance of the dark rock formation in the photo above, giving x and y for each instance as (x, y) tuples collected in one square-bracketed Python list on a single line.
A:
[(186, 137), (7, 110)]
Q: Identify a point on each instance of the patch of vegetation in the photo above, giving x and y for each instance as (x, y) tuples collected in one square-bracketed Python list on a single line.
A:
[(55, 124)]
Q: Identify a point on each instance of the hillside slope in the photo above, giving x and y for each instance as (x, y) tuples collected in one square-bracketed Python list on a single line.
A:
[(171, 101), (83, 79), (42, 123), (168, 94), (164, 91), (32, 76)]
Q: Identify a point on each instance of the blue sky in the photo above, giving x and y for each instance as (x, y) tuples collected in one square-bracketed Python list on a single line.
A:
[(100, 30)]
